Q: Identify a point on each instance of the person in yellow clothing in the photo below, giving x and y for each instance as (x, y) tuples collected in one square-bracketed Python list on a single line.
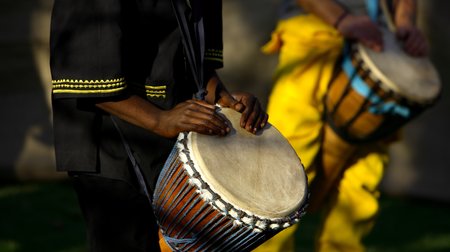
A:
[(309, 43)]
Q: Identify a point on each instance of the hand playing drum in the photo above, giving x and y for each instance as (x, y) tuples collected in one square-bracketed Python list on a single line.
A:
[(201, 116), (229, 193)]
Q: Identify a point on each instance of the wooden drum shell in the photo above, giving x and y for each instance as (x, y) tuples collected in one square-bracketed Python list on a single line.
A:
[(347, 111), (182, 211)]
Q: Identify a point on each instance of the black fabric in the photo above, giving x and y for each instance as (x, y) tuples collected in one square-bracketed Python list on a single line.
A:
[(118, 218), (105, 40), (192, 33), (86, 39), (76, 133), (110, 49), (213, 34), (149, 150), (117, 214)]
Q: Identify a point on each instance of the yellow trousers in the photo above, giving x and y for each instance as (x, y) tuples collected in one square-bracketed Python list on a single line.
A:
[(308, 49)]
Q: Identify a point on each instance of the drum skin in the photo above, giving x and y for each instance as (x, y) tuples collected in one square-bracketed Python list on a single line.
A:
[(196, 212), (414, 78)]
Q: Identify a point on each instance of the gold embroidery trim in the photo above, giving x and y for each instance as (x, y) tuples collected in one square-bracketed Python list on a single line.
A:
[(214, 54), (214, 50), (72, 86), (156, 91), (156, 87), (88, 81), (214, 59)]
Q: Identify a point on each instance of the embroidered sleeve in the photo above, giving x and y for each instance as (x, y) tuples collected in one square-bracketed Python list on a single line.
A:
[(214, 55), (85, 48), (213, 34), (68, 87)]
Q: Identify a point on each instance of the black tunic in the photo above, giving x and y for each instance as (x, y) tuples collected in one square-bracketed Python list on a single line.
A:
[(110, 49)]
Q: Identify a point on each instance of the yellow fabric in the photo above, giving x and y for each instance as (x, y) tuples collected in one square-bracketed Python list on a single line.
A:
[(283, 241), (308, 49), (350, 215)]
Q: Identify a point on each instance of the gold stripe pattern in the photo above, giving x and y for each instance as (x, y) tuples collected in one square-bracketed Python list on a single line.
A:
[(214, 59), (71, 86), (214, 54), (156, 91)]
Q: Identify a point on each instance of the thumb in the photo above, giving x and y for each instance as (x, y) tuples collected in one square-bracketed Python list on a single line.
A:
[(230, 102), (238, 106)]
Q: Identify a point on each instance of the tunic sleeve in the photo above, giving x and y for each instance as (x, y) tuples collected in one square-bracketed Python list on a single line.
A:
[(85, 49), (213, 34)]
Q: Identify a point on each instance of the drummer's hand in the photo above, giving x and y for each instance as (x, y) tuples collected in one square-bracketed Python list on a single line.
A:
[(414, 41), (192, 115), (363, 30), (253, 116)]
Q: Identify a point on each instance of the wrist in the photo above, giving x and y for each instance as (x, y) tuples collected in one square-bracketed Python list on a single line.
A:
[(405, 24), (159, 125), (340, 18), (215, 89), (405, 13)]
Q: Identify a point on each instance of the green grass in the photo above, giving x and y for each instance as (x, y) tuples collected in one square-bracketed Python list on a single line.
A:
[(407, 225), (40, 217), (403, 225), (44, 217)]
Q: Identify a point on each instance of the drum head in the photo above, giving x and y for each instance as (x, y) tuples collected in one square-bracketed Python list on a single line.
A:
[(412, 77), (260, 174)]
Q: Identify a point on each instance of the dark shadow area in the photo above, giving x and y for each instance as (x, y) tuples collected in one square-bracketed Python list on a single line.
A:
[(403, 225), (430, 135), (40, 217), (411, 225)]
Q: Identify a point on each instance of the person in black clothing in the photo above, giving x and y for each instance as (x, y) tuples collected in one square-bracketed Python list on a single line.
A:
[(124, 59)]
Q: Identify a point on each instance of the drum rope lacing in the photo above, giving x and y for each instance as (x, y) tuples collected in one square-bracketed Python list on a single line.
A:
[(241, 217)]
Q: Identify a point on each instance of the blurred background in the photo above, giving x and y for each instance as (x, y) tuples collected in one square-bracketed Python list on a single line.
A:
[(38, 210)]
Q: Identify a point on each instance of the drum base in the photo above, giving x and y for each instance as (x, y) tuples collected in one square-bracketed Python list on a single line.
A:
[(334, 156)]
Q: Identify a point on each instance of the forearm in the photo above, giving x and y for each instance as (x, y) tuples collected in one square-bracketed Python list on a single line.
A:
[(190, 115), (215, 89), (405, 12), (328, 10), (134, 110)]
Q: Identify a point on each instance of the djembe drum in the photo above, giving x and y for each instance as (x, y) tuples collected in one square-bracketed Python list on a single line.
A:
[(377, 93), (371, 96), (229, 193)]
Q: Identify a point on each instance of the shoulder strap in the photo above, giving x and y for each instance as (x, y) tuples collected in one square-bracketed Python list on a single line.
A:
[(386, 7), (194, 44), (135, 164)]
